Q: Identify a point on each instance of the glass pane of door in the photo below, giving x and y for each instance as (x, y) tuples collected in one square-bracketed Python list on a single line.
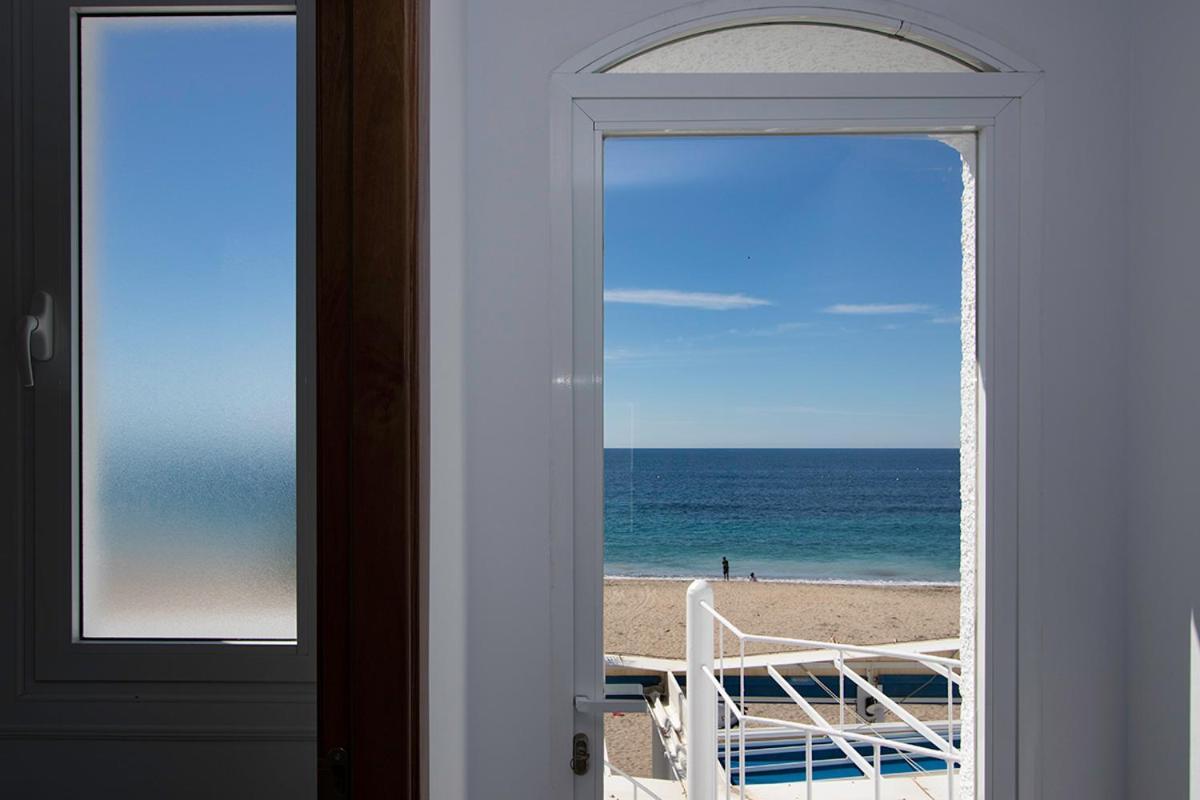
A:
[(783, 345)]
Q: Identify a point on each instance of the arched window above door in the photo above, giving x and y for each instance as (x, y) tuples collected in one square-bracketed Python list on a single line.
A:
[(792, 47)]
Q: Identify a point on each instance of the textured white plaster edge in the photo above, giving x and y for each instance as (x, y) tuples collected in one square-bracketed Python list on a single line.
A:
[(968, 460)]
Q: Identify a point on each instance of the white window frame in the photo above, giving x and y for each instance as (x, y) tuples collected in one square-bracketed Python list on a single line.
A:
[(1005, 110), (61, 662)]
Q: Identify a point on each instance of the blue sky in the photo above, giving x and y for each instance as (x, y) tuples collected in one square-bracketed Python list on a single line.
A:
[(782, 291), (189, 228)]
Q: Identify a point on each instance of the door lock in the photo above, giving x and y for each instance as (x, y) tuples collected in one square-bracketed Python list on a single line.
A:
[(580, 754)]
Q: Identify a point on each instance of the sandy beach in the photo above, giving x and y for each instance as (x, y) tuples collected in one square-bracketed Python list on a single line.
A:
[(646, 617)]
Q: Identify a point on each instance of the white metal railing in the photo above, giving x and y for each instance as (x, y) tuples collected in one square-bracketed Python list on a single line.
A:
[(668, 727), (701, 706), (638, 786)]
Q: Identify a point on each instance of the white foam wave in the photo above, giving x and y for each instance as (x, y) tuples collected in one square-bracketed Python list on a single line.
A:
[(807, 581)]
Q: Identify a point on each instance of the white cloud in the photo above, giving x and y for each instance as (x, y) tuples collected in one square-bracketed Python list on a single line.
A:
[(781, 329), (837, 412), (879, 308), (672, 297), (952, 319)]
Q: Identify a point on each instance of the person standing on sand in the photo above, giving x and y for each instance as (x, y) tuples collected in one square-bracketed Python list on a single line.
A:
[(725, 567)]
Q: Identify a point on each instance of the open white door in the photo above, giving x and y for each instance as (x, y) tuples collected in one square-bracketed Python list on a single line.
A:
[(590, 108)]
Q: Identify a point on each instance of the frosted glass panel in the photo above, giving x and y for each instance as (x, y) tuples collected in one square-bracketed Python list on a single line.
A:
[(790, 47), (188, 327)]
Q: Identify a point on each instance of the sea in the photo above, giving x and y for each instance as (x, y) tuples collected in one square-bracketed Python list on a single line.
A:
[(808, 515)]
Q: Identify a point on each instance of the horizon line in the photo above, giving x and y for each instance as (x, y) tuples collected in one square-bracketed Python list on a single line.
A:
[(782, 447)]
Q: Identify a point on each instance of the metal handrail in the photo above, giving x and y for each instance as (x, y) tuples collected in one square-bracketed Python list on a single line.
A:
[(701, 641), (637, 785), (827, 731), (817, 645)]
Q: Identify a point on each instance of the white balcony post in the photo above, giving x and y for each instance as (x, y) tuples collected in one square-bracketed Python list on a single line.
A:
[(701, 697), (878, 774), (808, 775)]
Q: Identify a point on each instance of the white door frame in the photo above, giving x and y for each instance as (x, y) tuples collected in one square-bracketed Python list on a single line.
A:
[(1006, 111)]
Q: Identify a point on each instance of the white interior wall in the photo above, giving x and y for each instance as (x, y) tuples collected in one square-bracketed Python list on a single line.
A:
[(447, 252), (490, 65), (1164, 393), (511, 48)]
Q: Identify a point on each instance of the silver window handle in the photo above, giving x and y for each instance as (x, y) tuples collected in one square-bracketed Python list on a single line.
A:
[(36, 335)]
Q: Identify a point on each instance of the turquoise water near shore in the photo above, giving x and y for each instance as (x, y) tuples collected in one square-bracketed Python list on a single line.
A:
[(851, 515)]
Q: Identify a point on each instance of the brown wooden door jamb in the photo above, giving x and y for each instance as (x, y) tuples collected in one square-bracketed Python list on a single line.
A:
[(371, 377)]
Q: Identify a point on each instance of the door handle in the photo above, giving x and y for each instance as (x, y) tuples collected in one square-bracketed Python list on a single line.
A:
[(35, 336)]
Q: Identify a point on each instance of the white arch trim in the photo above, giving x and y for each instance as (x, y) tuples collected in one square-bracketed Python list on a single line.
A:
[(881, 16)]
